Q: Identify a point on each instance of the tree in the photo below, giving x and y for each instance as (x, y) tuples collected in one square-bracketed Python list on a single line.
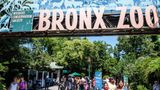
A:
[(152, 72), (156, 41), (102, 59), (139, 56), (71, 52), (9, 51), (137, 45), (40, 58), (74, 53)]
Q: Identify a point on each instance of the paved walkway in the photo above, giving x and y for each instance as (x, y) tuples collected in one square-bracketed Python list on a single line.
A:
[(53, 88)]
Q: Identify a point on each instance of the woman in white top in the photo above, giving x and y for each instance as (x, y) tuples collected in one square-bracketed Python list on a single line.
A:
[(14, 85), (111, 84)]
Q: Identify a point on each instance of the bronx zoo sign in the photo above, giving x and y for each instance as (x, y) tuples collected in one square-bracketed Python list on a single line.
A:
[(82, 19)]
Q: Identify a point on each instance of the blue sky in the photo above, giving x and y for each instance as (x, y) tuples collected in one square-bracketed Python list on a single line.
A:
[(108, 39)]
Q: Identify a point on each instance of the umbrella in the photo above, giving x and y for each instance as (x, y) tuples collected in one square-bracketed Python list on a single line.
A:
[(75, 74), (65, 71)]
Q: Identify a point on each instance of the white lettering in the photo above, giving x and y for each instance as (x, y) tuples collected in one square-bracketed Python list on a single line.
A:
[(155, 16), (133, 18), (71, 12), (71, 18), (57, 22), (99, 21), (85, 18), (122, 17), (44, 16)]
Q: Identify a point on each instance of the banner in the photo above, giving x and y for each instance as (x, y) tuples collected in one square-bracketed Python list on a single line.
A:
[(98, 79)]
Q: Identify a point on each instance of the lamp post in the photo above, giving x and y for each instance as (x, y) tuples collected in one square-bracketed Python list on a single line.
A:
[(89, 70)]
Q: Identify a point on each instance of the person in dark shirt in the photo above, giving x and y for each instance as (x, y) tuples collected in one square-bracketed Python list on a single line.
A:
[(46, 82)]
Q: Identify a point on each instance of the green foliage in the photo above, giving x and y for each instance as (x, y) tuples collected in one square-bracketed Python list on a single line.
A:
[(2, 68), (153, 67), (71, 52), (74, 53), (2, 86), (40, 59), (138, 58), (137, 45), (112, 66), (141, 87)]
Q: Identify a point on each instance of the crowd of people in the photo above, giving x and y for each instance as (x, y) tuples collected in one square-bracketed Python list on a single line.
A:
[(78, 83), (83, 83), (111, 84), (75, 83)]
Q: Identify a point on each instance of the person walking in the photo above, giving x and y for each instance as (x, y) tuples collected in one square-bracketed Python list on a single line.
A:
[(94, 84), (111, 84), (46, 82), (14, 84), (156, 85), (82, 81), (22, 84), (30, 84), (69, 83), (86, 86), (120, 86), (106, 86)]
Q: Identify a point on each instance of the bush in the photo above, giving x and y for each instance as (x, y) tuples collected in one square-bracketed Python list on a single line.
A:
[(133, 85), (141, 87), (2, 86)]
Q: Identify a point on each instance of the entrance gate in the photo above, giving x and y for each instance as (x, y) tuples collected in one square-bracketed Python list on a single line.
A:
[(79, 18)]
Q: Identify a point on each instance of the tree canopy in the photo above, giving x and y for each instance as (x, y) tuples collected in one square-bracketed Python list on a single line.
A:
[(134, 56)]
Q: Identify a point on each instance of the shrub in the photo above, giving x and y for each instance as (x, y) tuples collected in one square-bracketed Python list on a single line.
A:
[(141, 87), (2, 86)]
